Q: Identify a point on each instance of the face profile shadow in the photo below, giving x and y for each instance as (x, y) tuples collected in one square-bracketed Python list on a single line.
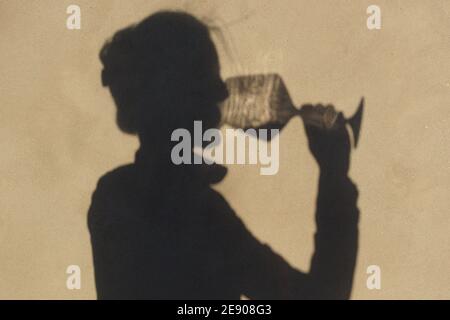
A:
[(159, 230)]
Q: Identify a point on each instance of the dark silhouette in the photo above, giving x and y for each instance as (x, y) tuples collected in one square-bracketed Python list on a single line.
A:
[(159, 231)]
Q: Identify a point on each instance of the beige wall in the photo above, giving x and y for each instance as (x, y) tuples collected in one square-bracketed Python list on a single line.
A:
[(57, 133)]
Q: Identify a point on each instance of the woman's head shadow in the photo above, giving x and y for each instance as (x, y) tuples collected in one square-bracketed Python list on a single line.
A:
[(163, 73)]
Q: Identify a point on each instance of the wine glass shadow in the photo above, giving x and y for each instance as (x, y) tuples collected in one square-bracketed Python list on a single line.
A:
[(160, 231)]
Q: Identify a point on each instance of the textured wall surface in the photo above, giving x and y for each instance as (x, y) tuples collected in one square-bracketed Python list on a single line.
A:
[(58, 135)]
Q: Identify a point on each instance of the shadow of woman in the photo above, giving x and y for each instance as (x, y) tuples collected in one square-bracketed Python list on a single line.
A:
[(159, 231)]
